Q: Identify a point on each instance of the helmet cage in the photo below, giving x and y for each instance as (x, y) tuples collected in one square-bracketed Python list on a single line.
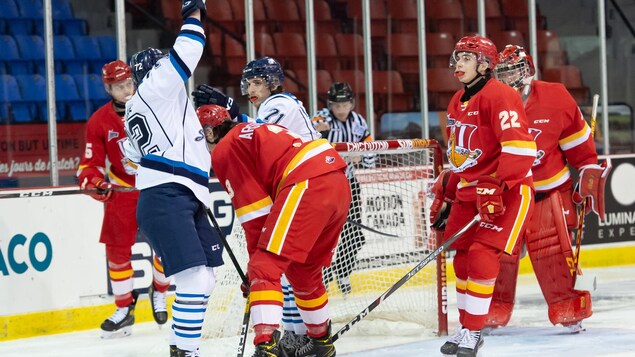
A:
[(515, 68), (266, 68)]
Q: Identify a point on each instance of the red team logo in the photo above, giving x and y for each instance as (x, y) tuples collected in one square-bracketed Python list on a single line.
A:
[(460, 152)]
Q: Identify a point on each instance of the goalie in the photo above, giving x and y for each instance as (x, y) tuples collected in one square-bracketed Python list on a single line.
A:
[(563, 139)]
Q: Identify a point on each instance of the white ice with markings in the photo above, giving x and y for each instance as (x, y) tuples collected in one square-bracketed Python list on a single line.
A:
[(609, 332)]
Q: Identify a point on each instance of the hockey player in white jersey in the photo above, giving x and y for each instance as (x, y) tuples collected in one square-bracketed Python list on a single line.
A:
[(263, 83), (168, 149)]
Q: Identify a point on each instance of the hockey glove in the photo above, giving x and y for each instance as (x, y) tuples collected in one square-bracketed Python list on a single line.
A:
[(590, 186), (489, 198), (245, 289), (189, 6), (206, 94), (442, 190), (97, 188)]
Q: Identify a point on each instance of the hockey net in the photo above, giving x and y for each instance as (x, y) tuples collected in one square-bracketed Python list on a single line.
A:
[(392, 216)]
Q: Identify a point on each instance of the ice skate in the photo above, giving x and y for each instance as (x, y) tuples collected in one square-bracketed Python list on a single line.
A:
[(291, 341), (575, 327), (317, 347), (177, 352), (469, 345), (271, 348), (157, 301), (120, 323), (452, 344)]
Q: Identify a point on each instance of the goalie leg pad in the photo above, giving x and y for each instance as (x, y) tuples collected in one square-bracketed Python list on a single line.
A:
[(549, 247), (500, 310)]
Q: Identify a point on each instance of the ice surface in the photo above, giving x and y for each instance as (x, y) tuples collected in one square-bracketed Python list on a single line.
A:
[(609, 332)]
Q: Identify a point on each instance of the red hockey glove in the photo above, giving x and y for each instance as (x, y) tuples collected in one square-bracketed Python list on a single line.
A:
[(443, 191), (591, 185), (97, 188), (245, 289), (489, 198)]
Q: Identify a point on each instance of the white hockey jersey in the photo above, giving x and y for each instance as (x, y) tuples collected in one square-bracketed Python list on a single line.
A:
[(166, 140), (285, 110)]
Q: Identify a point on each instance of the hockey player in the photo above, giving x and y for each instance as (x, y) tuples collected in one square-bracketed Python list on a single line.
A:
[(563, 139), (338, 122), (263, 82), (104, 135), (490, 152), (291, 197), (167, 146)]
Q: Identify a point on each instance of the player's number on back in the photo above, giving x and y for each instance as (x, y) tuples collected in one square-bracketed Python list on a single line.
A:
[(140, 133), (509, 119)]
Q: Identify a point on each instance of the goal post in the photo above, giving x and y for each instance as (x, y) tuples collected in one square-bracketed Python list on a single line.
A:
[(387, 233)]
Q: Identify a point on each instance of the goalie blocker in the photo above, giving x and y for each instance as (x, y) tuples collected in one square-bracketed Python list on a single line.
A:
[(549, 246)]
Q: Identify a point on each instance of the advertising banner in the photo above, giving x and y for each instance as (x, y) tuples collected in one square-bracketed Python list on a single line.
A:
[(24, 149), (619, 224)]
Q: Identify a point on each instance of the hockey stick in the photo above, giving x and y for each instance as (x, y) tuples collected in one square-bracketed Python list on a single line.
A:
[(54, 191), (581, 214), (243, 277), (432, 256), (371, 229)]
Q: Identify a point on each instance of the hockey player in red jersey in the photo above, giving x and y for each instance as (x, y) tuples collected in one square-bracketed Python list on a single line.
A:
[(563, 139), (490, 153), (291, 197), (104, 134)]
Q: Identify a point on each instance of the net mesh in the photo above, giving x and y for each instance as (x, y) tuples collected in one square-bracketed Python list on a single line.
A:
[(386, 234)]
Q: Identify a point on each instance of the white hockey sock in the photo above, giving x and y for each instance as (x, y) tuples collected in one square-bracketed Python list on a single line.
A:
[(193, 287)]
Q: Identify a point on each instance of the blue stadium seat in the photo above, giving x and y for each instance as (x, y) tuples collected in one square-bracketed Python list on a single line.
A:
[(11, 104), (18, 26), (32, 48), (33, 88), (91, 87), (87, 48), (8, 9), (61, 9), (68, 98), (11, 56), (108, 47), (65, 57), (31, 9), (72, 27)]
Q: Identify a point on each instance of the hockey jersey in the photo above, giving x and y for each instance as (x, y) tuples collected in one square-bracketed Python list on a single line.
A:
[(561, 134), (286, 110), (166, 139), (488, 135), (105, 136), (253, 162)]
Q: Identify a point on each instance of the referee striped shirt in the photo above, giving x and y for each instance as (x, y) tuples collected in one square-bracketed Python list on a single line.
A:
[(353, 130)]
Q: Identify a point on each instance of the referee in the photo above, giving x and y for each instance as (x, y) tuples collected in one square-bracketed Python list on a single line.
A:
[(340, 123)]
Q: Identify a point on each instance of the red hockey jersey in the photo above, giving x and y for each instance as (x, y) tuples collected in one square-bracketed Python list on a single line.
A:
[(488, 135), (561, 134), (104, 137), (253, 162)]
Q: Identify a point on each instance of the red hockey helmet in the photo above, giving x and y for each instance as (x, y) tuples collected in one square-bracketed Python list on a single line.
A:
[(212, 115), (515, 67), (115, 71), (482, 47)]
